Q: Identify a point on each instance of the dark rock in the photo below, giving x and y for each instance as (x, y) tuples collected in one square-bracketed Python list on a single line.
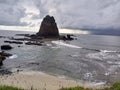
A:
[(19, 46), (20, 39), (34, 43), (15, 42), (34, 63), (6, 47), (66, 37), (26, 35), (48, 27), (2, 37), (4, 54), (34, 36), (5, 72), (2, 58), (69, 37)]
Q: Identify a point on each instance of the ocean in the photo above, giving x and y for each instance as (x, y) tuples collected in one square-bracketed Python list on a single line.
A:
[(89, 58)]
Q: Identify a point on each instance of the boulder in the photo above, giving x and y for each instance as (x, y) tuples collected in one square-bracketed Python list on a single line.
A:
[(48, 27), (4, 54), (34, 43), (66, 37), (2, 58), (6, 47)]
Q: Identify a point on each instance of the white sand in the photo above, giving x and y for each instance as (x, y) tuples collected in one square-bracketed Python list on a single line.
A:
[(37, 80)]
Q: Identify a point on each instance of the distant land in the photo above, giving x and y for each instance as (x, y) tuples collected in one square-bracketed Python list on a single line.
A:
[(99, 31)]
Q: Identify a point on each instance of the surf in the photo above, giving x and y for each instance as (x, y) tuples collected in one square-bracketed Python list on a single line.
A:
[(61, 43)]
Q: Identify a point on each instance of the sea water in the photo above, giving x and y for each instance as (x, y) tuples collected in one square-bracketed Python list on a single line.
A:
[(91, 58)]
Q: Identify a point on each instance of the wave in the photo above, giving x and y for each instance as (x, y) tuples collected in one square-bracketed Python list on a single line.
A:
[(13, 56), (109, 51), (65, 44), (61, 43), (92, 49), (98, 83), (103, 51)]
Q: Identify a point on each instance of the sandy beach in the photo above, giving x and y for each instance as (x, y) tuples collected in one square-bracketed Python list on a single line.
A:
[(38, 80)]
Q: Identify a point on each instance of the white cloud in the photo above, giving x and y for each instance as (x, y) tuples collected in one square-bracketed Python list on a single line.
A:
[(85, 13), (68, 13), (10, 12)]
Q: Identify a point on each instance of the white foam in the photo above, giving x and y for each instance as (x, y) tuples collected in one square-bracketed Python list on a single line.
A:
[(61, 77), (88, 75), (13, 56), (104, 55), (99, 83), (74, 55), (107, 73), (95, 55), (65, 44), (32, 72), (108, 51)]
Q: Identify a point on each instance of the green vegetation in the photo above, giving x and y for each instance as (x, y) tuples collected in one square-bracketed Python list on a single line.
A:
[(9, 88), (115, 86), (76, 88)]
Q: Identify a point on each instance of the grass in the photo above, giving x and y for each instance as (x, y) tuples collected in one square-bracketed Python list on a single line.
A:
[(115, 86), (9, 88)]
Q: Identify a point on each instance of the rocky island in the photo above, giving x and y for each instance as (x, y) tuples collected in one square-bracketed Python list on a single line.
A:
[(48, 31), (48, 28)]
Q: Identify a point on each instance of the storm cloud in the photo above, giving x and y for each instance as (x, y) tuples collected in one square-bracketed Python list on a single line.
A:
[(96, 14)]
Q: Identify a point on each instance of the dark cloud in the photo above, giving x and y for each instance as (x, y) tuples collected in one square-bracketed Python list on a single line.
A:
[(85, 13), (68, 13)]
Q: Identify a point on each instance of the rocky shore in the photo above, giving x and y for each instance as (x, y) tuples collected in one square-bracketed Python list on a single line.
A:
[(3, 56)]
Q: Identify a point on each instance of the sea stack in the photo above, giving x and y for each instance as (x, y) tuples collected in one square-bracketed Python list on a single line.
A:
[(48, 28)]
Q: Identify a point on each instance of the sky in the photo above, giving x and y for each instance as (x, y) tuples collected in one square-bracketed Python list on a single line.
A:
[(92, 15)]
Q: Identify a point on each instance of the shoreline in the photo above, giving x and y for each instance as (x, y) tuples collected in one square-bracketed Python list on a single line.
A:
[(40, 81)]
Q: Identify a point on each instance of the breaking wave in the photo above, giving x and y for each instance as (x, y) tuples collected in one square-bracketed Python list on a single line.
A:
[(13, 56), (61, 43), (65, 44), (108, 51)]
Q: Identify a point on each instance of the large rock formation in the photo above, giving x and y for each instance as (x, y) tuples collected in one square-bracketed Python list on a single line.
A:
[(48, 27)]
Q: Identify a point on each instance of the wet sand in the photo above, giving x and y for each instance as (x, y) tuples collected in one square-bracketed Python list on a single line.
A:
[(39, 81)]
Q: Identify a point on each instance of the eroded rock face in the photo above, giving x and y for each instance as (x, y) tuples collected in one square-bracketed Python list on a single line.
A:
[(48, 27)]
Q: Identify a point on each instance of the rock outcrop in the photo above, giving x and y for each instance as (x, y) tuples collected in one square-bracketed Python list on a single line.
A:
[(48, 28), (6, 47), (3, 56)]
